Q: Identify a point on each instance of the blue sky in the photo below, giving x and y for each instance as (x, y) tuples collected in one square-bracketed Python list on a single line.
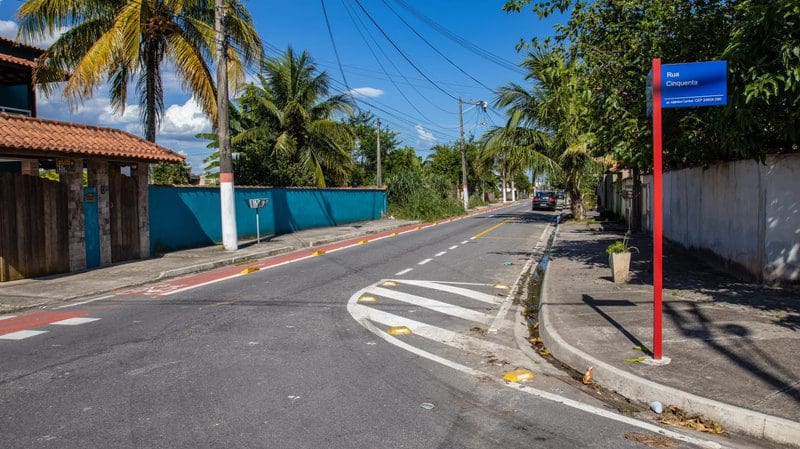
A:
[(425, 117)]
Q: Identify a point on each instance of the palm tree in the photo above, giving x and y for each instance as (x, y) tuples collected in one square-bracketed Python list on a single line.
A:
[(291, 106), (556, 111), (118, 41)]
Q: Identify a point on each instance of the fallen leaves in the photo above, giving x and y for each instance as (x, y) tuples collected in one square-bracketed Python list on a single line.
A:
[(479, 330), (650, 439), (587, 377), (636, 360), (674, 416)]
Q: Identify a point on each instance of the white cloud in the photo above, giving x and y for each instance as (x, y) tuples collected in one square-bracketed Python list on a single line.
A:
[(368, 92), (187, 120), (8, 29), (424, 137)]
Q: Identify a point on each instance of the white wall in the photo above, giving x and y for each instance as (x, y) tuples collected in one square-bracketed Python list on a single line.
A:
[(744, 211)]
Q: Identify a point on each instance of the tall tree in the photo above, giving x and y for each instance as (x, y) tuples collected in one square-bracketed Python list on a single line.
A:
[(293, 108), (119, 42)]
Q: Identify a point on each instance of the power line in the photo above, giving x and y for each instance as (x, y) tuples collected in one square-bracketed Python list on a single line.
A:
[(467, 45), (396, 47), (446, 58), (335, 50)]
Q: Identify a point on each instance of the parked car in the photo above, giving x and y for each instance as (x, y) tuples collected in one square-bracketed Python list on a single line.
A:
[(545, 199)]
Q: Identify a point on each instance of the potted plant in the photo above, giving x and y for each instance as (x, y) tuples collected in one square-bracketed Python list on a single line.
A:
[(619, 258)]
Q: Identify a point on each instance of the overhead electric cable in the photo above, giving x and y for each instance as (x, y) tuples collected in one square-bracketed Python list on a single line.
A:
[(335, 50), (446, 58), (396, 47), (467, 45)]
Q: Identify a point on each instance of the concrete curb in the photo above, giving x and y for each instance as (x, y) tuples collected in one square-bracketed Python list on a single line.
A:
[(739, 419), (175, 272)]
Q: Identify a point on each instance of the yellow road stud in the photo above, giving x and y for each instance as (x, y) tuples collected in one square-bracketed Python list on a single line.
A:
[(501, 286), (318, 253), (249, 270), (418, 228), (394, 234), (390, 284), (367, 298), (399, 330), (361, 242), (518, 375)]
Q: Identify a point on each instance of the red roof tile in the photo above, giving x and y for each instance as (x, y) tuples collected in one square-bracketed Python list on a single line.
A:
[(15, 43), (17, 61), (20, 135)]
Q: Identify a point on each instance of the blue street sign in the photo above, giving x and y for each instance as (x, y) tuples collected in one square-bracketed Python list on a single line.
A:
[(694, 84)]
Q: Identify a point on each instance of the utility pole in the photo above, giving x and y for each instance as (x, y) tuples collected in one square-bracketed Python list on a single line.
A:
[(464, 186), (227, 202), (378, 178)]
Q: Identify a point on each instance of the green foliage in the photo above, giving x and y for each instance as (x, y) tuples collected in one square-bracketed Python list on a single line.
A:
[(616, 248), (170, 174), (616, 42), (412, 196), (365, 129)]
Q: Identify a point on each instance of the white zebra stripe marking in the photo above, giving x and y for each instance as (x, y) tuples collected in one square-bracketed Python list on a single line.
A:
[(19, 335), (432, 304), (75, 321)]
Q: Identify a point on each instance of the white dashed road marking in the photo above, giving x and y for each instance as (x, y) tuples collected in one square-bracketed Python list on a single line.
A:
[(75, 321), (424, 261), (453, 247), (465, 242), (402, 272), (19, 335), (441, 253)]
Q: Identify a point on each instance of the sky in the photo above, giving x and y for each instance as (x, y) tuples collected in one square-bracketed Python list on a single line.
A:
[(424, 113)]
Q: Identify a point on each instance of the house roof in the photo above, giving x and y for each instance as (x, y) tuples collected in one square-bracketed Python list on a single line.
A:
[(36, 50), (17, 60), (28, 136)]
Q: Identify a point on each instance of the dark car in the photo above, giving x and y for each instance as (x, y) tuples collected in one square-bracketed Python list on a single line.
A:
[(545, 199)]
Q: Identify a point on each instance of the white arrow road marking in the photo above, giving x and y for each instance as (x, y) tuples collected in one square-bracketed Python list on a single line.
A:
[(432, 304), (453, 289)]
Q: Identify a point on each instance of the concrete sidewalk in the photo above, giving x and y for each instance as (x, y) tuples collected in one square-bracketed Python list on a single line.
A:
[(28, 293), (734, 346)]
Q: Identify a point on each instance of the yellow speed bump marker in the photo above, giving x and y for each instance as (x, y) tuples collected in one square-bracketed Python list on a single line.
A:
[(318, 253), (394, 234), (518, 375), (418, 228), (249, 270), (399, 330), (390, 284), (361, 242), (501, 286), (367, 298)]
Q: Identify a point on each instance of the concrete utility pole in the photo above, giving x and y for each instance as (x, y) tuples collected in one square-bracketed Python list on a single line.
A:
[(464, 186), (465, 192), (227, 202), (378, 177)]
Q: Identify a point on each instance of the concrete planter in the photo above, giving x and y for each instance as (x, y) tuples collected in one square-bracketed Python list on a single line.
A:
[(620, 266)]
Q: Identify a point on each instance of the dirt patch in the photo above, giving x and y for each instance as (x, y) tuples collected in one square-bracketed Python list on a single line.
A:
[(676, 417), (650, 440)]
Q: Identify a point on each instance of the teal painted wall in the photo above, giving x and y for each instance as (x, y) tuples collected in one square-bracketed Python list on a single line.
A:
[(189, 217)]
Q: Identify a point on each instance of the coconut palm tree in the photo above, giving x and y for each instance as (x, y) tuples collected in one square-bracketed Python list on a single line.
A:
[(556, 111), (292, 107), (121, 41)]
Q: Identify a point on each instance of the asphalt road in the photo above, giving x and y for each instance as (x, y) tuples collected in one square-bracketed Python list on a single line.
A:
[(277, 358)]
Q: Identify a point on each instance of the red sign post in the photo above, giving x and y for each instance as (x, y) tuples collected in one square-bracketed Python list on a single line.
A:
[(658, 217)]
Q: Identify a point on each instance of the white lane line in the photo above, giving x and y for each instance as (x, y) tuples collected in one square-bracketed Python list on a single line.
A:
[(432, 304), (83, 302), (424, 261), (472, 238), (441, 253), (434, 333), (452, 289), (356, 311), (7, 317), (75, 321), (453, 247), (465, 242), (19, 335), (402, 272), (500, 319)]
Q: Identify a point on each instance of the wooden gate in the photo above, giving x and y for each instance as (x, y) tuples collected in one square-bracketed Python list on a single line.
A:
[(34, 237), (124, 201)]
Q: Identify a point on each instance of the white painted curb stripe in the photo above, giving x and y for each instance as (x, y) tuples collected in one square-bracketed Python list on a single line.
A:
[(432, 304)]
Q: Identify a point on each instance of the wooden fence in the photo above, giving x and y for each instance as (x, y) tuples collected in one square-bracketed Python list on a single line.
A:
[(124, 217), (33, 227)]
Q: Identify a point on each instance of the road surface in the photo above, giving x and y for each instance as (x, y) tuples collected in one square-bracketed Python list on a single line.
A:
[(297, 355)]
